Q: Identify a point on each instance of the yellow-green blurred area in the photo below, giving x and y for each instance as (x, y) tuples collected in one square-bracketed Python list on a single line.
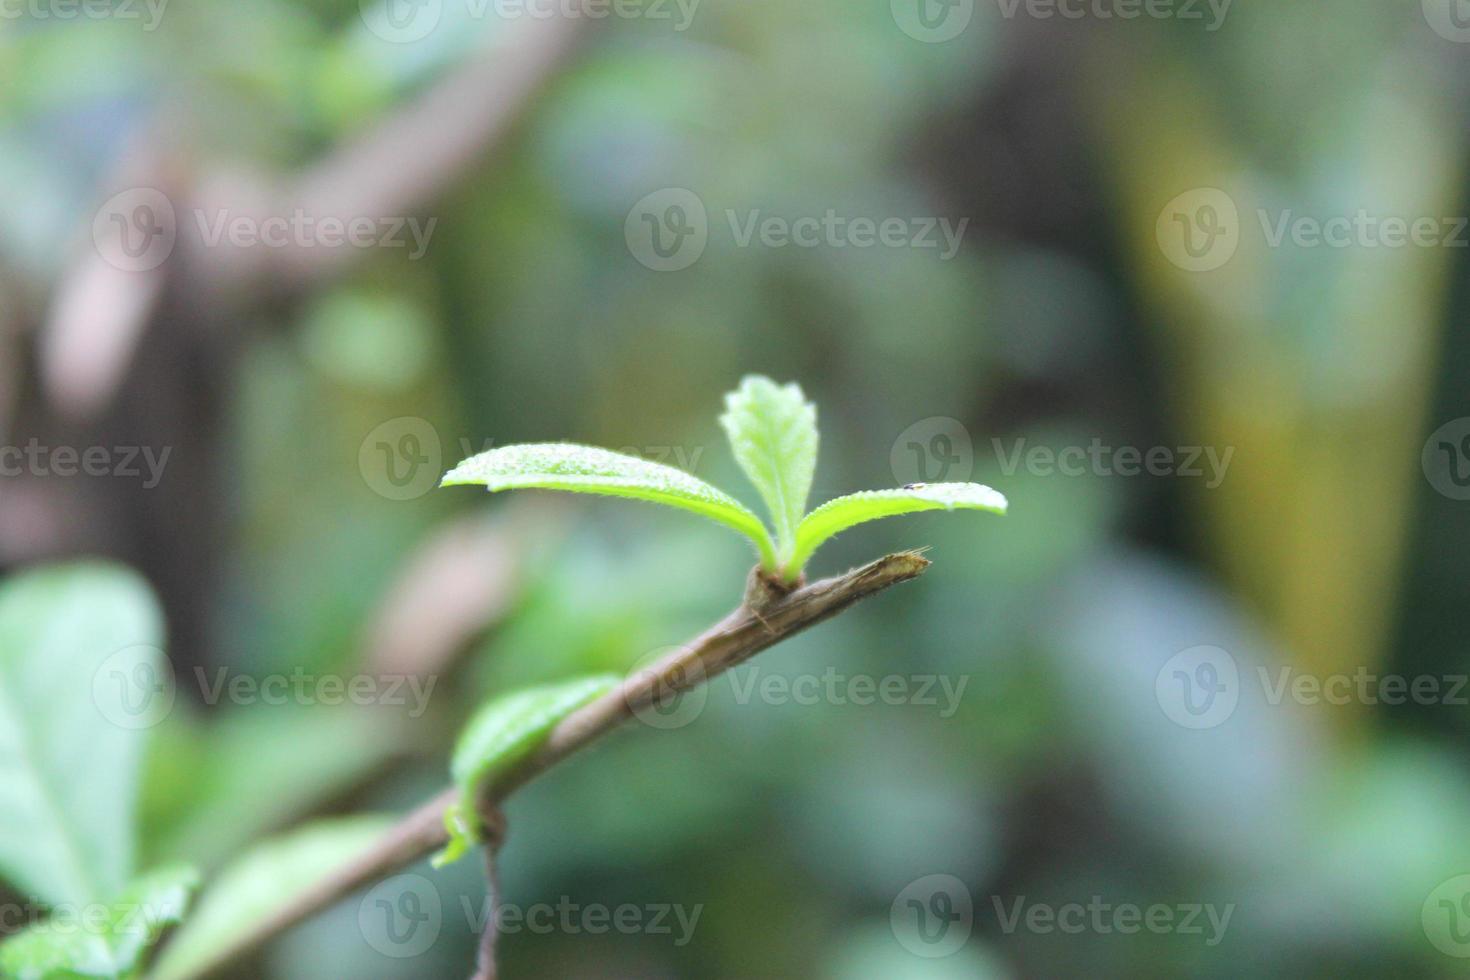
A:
[(1213, 663)]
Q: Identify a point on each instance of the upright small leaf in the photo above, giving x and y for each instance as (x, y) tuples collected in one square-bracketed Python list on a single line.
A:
[(264, 878), (773, 434), (586, 469), (78, 645), (104, 939), (501, 734), (836, 516)]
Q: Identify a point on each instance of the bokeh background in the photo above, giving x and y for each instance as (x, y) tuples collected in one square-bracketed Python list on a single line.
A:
[(1117, 183)]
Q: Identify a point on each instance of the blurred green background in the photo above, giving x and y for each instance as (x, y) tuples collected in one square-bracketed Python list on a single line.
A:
[(308, 407)]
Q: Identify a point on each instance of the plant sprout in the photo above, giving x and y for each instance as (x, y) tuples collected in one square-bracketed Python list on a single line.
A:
[(68, 624), (773, 433)]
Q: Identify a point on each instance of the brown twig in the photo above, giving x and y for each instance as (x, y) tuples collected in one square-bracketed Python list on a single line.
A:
[(734, 640), (493, 833)]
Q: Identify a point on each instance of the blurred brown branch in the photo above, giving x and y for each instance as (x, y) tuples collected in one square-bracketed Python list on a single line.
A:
[(101, 313)]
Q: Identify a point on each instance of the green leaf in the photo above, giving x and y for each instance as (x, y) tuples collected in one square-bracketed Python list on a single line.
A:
[(103, 939), (501, 734), (836, 516), (209, 806), (586, 469), (258, 883), (773, 433), (73, 641)]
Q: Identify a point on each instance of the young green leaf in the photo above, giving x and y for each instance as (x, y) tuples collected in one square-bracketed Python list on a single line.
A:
[(112, 944), (773, 433), (586, 469), (262, 880), (501, 734), (79, 666), (836, 516)]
